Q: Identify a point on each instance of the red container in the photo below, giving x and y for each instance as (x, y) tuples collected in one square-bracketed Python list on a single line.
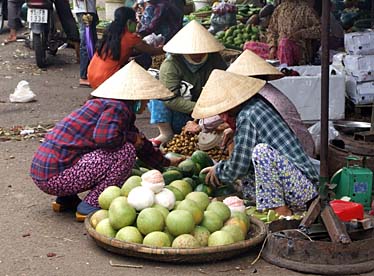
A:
[(346, 210)]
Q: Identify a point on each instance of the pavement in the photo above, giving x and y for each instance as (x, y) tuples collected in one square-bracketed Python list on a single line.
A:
[(36, 241)]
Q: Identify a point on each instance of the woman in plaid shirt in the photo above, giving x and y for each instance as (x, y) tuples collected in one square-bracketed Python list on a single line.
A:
[(265, 149), (96, 145)]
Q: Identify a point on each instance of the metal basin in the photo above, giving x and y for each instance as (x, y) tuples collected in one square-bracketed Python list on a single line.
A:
[(351, 127)]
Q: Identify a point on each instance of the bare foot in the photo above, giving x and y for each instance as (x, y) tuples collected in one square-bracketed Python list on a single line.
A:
[(10, 39), (283, 211)]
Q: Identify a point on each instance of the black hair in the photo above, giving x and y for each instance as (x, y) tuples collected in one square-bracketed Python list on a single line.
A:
[(111, 42)]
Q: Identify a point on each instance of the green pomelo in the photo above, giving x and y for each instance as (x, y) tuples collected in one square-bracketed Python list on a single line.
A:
[(182, 186), (171, 175), (129, 234), (185, 241), (201, 234), (201, 199), (192, 207), (107, 196), (219, 238), (150, 220), (204, 188), (237, 221), (164, 211), (98, 216), (180, 222), (171, 237), (120, 213), (235, 231), (202, 158), (212, 221), (176, 204), (187, 167), (242, 216), (105, 228), (202, 177), (130, 183), (190, 181), (157, 238), (177, 193), (220, 209)]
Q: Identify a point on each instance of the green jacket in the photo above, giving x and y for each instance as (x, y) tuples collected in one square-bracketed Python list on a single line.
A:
[(173, 70)]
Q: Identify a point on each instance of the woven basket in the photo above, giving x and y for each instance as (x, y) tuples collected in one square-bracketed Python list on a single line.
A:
[(256, 235)]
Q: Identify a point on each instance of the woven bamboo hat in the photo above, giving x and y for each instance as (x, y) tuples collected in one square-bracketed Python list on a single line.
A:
[(193, 39), (250, 64), (224, 91), (132, 82)]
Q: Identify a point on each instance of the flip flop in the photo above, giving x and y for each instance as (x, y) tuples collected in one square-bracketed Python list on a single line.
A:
[(84, 83), (8, 41)]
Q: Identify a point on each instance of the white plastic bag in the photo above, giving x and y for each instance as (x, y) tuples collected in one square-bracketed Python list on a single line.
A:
[(185, 87), (154, 40), (22, 93), (315, 131)]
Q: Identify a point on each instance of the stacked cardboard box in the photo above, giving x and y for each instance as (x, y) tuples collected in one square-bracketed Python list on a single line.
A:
[(359, 66)]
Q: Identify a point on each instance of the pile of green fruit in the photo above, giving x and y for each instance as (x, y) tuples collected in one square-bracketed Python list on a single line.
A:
[(172, 216), (269, 216), (245, 11), (236, 36), (189, 171)]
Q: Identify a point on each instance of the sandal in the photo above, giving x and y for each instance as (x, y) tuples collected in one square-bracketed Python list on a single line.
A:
[(65, 203), (83, 210), (84, 83), (8, 41)]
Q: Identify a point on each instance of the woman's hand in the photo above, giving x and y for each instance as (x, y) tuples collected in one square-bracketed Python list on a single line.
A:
[(139, 142), (211, 177), (174, 161), (228, 137), (273, 53), (192, 127)]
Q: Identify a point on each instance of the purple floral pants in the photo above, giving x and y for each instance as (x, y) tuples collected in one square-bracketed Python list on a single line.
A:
[(277, 181), (95, 171)]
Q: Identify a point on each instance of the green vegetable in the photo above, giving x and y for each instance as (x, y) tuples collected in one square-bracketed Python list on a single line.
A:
[(170, 176)]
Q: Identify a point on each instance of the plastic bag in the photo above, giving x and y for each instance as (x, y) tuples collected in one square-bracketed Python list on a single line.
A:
[(185, 87), (22, 93), (154, 40), (315, 131), (210, 123), (223, 16)]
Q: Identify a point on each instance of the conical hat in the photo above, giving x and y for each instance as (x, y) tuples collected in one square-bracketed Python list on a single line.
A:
[(250, 64), (193, 39), (132, 82), (224, 91)]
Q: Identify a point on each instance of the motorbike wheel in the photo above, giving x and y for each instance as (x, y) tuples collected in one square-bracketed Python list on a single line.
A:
[(39, 47)]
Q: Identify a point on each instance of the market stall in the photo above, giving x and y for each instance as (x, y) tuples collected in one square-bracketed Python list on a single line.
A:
[(155, 235)]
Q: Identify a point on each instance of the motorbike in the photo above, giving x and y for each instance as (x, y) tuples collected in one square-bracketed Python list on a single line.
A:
[(46, 34), (3, 13)]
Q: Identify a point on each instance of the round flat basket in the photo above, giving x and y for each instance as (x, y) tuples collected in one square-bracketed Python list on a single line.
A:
[(256, 235)]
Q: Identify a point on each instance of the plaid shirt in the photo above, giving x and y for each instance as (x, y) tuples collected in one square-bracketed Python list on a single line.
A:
[(99, 124), (256, 123)]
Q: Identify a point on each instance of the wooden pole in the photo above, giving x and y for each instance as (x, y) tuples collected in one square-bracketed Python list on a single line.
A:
[(324, 176)]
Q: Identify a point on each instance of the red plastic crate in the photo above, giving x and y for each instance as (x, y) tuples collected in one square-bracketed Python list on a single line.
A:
[(346, 210)]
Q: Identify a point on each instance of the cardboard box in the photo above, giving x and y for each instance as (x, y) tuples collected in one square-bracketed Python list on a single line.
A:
[(305, 92), (359, 43), (361, 67), (360, 92)]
